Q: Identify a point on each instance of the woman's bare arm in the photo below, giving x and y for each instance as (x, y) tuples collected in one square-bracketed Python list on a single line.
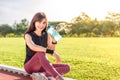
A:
[(32, 45), (49, 42), (52, 46)]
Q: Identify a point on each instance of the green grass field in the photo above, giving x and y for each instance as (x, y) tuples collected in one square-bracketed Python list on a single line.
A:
[(89, 58)]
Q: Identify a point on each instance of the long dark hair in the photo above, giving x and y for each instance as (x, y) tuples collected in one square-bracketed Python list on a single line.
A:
[(37, 17)]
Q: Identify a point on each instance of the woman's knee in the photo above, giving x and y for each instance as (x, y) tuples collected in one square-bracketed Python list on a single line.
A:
[(68, 67)]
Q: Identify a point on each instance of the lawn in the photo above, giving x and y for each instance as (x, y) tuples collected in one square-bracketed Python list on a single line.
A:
[(89, 58)]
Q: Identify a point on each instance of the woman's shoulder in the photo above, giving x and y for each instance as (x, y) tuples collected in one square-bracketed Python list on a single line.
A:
[(27, 35), (47, 33)]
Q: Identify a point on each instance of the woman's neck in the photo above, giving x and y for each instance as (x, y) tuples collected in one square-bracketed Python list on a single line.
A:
[(38, 32)]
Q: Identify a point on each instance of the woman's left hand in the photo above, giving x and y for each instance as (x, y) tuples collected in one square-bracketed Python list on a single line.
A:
[(58, 59)]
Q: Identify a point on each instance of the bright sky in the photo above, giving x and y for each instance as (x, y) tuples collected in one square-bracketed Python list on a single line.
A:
[(55, 10)]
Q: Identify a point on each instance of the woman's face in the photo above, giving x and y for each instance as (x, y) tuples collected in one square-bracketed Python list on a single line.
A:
[(40, 25)]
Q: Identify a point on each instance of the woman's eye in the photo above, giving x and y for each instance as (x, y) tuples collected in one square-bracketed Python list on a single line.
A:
[(44, 22)]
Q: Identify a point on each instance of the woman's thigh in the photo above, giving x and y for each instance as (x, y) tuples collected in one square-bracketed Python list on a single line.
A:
[(33, 65)]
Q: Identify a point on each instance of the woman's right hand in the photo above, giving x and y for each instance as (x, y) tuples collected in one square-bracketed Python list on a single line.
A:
[(58, 59)]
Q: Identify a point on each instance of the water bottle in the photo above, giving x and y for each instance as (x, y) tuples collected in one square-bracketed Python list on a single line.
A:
[(54, 33)]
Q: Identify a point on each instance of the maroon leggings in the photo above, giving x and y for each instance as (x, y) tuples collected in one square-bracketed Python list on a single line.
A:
[(40, 63)]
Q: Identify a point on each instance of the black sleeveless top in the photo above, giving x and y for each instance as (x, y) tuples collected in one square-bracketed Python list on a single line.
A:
[(38, 40)]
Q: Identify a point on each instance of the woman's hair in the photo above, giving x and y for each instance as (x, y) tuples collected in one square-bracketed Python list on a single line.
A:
[(37, 17)]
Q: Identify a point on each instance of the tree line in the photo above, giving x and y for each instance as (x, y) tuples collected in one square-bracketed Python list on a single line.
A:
[(80, 26), (16, 30)]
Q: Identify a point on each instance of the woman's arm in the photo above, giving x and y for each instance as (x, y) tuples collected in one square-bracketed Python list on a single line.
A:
[(49, 42), (32, 45), (57, 57), (52, 46)]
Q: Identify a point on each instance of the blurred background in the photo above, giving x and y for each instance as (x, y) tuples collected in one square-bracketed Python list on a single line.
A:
[(78, 18), (90, 31)]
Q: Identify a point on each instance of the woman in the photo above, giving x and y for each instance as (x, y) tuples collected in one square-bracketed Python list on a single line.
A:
[(38, 43)]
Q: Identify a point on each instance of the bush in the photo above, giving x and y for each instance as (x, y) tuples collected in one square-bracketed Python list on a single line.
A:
[(10, 35), (117, 34), (74, 35), (91, 34), (82, 35), (1, 35)]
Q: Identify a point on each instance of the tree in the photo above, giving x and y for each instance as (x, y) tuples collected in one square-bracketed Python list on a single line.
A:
[(5, 29), (81, 24), (114, 17), (20, 28)]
